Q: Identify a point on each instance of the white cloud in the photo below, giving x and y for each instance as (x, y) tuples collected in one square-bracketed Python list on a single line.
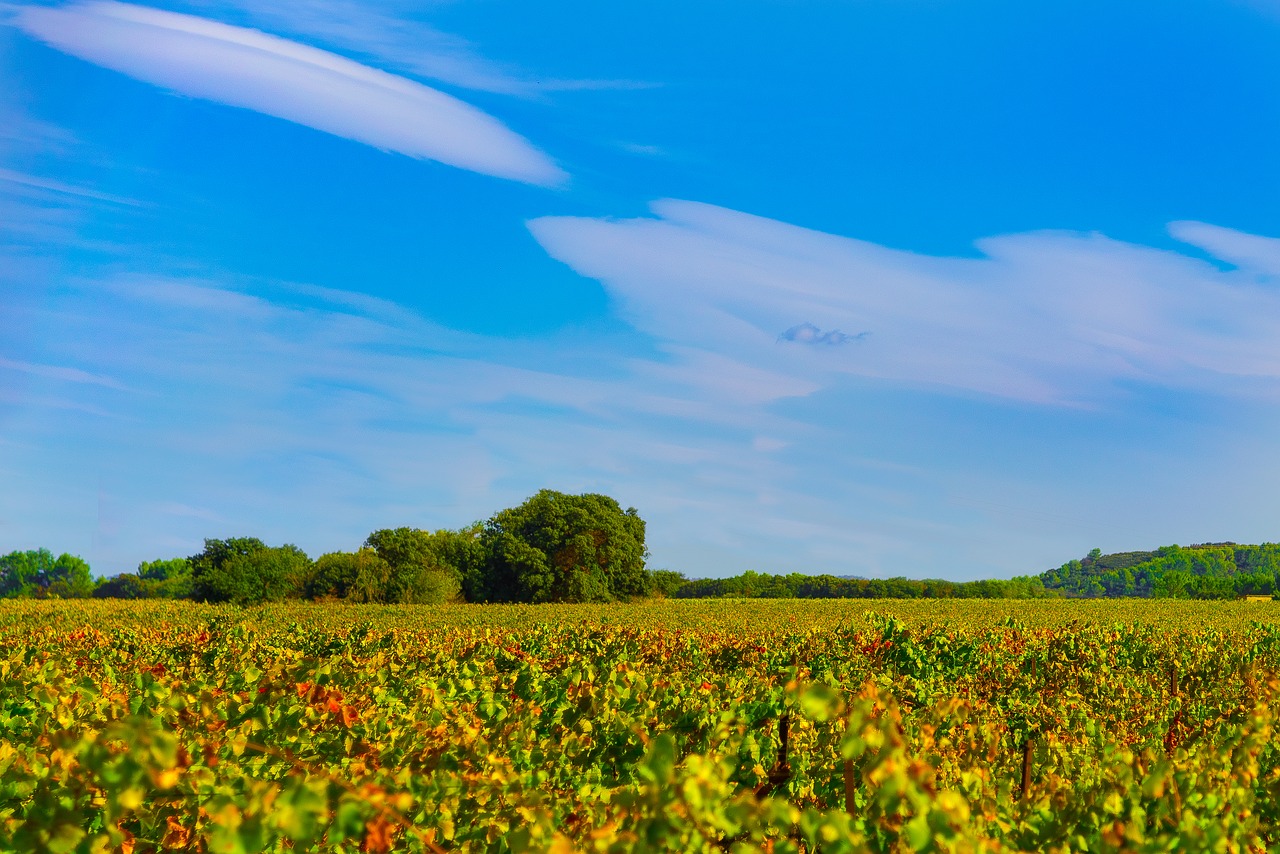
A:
[(317, 423), (169, 508), (642, 149), (766, 444), (313, 415), (38, 211), (807, 333), (1247, 251), (1055, 318), (20, 132), (48, 185), (246, 68), (61, 374), (392, 40), (157, 292)]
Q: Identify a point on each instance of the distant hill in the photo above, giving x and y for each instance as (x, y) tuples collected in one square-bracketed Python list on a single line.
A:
[(1201, 571)]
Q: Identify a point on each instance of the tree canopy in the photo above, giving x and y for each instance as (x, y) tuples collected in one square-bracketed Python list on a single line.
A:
[(355, 576), (37, 573), (244, 570), (156, 579), (419, 572), (564, 548)]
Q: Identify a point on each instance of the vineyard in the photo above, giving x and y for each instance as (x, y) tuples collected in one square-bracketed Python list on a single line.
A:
[(668, 726)]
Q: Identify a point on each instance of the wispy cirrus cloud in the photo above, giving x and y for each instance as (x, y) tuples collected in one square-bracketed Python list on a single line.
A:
[(1048, 317), (23, 182), (807, 333), (393, 38), (246, 68), (21, 132), (37, 212), (266, 400), (1249, 252), (61, 373), (315, 415)]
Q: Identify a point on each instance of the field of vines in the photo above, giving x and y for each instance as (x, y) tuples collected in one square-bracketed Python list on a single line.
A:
[(669, 726)]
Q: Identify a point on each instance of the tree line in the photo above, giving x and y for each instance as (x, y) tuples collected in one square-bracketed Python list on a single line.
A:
[(1204, 571), (756, 585), (552, 548), (585, 548)]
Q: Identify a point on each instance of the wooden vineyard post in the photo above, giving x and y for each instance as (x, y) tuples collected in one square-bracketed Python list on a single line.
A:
[(1027, 747), (780, 773), (850, 784)]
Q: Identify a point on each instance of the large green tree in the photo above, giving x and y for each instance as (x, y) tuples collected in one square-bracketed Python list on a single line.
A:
[(165, 570), (419, 571), (665, 583), (156, 579), (126, 585), (355, 576), (463, 553), (168, 579), (38, 573), (70, 578), (244, 570), (563, 548), (20, 572)]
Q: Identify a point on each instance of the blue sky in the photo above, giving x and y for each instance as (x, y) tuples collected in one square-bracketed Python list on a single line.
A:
[(925, 288)]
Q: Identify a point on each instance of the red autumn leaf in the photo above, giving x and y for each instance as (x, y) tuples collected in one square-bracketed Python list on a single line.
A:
[(377, 836), (176, 836)]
